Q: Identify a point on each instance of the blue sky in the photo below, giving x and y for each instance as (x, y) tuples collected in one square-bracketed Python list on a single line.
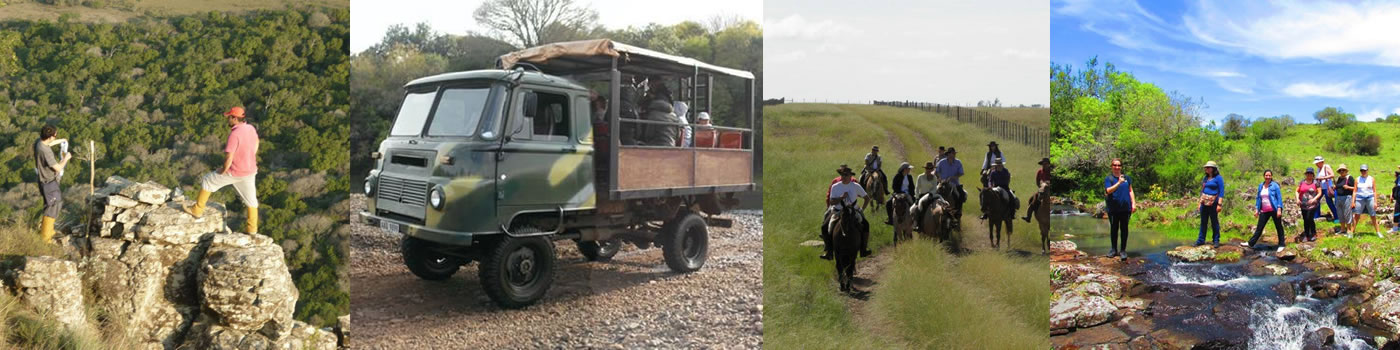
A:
[(1257, 59)]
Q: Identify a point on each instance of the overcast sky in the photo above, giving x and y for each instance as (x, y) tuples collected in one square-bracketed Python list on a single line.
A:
[(926, 50), (1257, 59), (370, 18)]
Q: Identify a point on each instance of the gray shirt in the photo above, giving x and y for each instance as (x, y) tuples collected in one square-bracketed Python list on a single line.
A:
[(44, 161)]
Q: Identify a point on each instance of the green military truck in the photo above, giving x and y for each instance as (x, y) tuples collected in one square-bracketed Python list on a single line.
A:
[(494, 165)]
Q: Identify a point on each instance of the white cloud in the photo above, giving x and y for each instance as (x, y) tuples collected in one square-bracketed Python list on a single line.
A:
[(798, 27), (1025, 54), (1344, 90), (1366, 32)]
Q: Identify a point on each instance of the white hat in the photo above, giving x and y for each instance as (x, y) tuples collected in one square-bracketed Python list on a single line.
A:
[(703, 116), (1317, 159)]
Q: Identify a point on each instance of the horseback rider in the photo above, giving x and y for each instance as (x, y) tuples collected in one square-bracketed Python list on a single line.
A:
[(949, 170), (1042, 178), (843, 194), (927, 191), (1000, 179), (993, 153), (873, 163), (903, 183), (942, 152)]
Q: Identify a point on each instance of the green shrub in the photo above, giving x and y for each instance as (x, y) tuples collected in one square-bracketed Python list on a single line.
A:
[(1271, 128), (1357, 139), (1236, 126)]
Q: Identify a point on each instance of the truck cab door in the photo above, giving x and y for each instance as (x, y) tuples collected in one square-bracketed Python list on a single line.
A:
[(538, 163)]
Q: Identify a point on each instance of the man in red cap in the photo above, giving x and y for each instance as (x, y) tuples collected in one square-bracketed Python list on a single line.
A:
[(240, 167)]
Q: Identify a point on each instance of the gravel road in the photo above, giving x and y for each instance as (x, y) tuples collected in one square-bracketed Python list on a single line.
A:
[(633, 301)]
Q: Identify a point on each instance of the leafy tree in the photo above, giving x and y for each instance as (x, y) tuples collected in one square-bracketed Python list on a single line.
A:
[(1235, 126), (1271, 128), (1357, 139), (1334, 118)]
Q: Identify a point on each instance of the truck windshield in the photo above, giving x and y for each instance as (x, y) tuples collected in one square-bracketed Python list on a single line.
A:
[(459, 111), (413, 113)]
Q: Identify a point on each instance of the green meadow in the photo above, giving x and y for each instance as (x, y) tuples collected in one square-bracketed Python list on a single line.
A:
[(926, 297)]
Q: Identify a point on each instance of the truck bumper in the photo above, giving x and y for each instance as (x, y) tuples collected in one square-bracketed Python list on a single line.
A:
[(463, 239)]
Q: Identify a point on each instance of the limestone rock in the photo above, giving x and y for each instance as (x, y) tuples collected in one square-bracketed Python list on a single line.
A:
[(1079, 311), (1192, 254), (1383, 311), (245, 283), (53, 287), (146, 192)]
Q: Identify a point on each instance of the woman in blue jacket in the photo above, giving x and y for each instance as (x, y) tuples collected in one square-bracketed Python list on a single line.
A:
[(1120, 203), (1212, 186), (1267, 204)]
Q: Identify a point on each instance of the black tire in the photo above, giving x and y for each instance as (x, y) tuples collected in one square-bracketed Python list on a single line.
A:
[(426, 263), (600, 250), (503, 278), (687, 243)]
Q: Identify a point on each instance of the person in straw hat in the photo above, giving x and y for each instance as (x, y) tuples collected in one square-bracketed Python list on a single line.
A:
[(1212, 187), (843, 194)]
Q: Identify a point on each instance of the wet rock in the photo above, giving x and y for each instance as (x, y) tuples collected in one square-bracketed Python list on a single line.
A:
[(1320, 338), (1287, 254), (1220, 344), (1192, 254), (52, 287), (1383, 311), (1277, 270), (1169, 339), (1131, 303), (1326, 290), (1348, 316), (1100, 336), (1285, 290), (1064, 251), (1141, 343)]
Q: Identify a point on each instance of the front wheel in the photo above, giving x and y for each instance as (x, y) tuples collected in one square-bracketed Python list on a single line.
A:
[(600, 250), (427, 263), (516, 272), (687, 243)]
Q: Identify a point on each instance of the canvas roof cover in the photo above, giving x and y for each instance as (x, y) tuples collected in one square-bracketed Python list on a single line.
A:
[(589, 56)]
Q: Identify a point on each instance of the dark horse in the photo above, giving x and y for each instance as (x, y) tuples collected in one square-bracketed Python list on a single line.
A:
[(1000, 209), (845, 229), (904, 212), (952, 213), (874, 185)]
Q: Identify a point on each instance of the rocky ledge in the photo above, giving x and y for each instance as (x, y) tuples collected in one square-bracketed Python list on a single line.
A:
[(167, 279)]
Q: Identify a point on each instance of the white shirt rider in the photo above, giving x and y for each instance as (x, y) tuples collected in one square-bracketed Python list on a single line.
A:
[(847, 192)]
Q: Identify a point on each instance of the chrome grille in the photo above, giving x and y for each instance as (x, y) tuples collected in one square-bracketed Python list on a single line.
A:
[(403, 190)]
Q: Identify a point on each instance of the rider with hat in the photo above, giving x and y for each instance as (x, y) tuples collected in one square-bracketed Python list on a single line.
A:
[(1000, 178), (874, 163), (993, 153), (1042, 179), (845, 193), (949, 170), (903, 183)]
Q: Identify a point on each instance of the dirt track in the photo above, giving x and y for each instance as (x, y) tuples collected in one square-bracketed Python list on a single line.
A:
[(634, 301)]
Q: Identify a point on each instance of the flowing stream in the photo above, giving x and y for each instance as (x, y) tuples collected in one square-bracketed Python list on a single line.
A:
[(1234, 302)]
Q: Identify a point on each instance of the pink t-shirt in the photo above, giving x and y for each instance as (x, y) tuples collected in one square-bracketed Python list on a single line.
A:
[(243, 144)]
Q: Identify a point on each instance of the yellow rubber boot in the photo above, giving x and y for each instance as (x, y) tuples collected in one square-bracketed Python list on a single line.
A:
[(252, 225), (46, 229), (198, 209)]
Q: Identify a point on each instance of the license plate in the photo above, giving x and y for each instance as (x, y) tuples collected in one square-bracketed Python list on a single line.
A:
[(389, 226)]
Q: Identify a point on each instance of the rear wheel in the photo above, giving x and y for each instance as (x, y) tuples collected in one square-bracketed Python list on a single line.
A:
[(517, 271), (687, 243), (600, 250), (427, 263)]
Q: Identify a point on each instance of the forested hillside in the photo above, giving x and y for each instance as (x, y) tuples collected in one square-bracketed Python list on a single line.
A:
[(150, 93)]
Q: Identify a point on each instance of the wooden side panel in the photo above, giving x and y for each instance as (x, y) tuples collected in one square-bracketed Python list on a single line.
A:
[(719, 167), (640, 168)]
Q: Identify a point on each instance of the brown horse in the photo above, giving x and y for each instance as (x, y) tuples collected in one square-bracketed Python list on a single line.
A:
[(845, 230), (935, 212), (874, 185), (904, 212), (1042, 216)]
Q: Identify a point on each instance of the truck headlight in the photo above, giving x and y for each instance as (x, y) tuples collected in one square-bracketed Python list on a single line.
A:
[(369, 186), (435, 197)]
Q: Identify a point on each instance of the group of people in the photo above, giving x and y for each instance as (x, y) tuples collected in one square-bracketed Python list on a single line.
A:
[(658, 105), (945, 169), (1347, 198), (239, 170)]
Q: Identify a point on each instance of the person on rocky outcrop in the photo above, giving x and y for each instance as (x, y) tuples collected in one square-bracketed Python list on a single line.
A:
[(49, 169), (240, 168), (1212, 187), (1267, 205), (1120, 203), (1309, 196)]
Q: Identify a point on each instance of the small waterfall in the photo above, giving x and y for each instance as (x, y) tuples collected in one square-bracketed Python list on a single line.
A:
[(1210, 275), (1279, 326)]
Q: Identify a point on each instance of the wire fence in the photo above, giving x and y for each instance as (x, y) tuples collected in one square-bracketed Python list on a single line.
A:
[(1035, 137)]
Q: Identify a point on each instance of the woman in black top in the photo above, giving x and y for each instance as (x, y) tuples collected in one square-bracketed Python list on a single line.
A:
[(903, 183)]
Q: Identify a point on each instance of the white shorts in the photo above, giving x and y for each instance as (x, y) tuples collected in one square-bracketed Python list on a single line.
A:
[(245, 185)]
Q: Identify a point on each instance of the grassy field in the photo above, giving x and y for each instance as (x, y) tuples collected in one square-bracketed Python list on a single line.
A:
[(113, 14), (928, 298), (1298, 147), (1033, 117)]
